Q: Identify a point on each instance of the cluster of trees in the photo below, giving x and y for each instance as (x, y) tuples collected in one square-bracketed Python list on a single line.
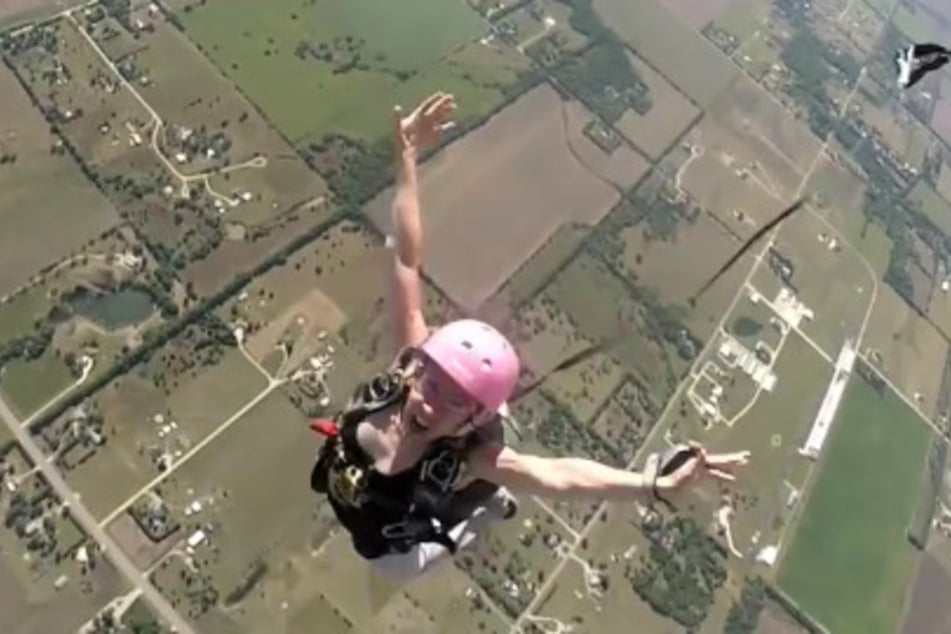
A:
[(920, 527), (564, 435), (815, 63), (744, 614), (172, 329), (682, 571), (256, 572), (606, 81)]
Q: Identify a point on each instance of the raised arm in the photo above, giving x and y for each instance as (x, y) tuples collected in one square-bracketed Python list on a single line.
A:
[(421, 128)]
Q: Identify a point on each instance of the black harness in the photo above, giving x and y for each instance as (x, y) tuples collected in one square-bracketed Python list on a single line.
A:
[(391, 513)]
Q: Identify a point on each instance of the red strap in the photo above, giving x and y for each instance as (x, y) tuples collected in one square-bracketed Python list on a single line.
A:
[(324, 427)]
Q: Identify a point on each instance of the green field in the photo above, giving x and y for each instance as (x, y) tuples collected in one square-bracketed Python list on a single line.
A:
[(271, 50), (28, 386), (850, 563), (681, 54)]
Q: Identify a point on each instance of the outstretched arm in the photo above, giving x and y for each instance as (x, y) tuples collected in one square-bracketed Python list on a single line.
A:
[(587, 479), (421, 127), (410, 324)]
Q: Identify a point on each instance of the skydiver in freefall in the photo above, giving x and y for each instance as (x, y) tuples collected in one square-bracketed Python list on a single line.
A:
[(417, 462)]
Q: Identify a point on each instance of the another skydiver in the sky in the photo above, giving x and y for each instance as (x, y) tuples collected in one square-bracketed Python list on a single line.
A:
[(917, 60), (417, 461)]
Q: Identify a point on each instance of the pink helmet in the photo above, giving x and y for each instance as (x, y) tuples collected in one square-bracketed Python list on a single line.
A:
[(478, 358)]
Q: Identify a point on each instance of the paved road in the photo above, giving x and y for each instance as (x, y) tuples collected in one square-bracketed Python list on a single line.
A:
[(88, 523)]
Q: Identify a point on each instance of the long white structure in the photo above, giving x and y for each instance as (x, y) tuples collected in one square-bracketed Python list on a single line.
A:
[(830, 403)]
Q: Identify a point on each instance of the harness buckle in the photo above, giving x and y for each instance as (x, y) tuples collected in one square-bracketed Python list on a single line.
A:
[(348, 485), (442, 470)]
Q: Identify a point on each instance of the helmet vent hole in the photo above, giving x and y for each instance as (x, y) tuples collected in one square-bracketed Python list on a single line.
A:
[(467, 344), (486, 365)]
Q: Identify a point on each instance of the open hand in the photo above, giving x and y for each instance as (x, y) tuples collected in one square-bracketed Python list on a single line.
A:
[(423, 125), (704, 465)]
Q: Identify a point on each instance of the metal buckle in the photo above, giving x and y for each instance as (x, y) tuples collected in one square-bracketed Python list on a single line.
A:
[(407, 529), (443, 470), (346, 486)]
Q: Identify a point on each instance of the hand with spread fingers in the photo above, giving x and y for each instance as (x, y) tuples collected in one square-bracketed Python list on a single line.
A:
[(703, 465), (423, 126)]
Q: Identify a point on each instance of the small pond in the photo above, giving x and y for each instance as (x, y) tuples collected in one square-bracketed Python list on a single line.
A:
[(113, 311)]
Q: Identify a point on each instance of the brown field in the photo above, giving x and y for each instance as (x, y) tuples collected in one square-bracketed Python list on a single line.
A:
[(678, 51), (535, 272), (698, 13), (136, 544), (913, 353), (941, 117), (940, 307), (944, 182), (12, 11), (61, 217), (927, 609), (671, 113), (933, 205), (534, 185), (623, 167), (862, 25), (779, 140)]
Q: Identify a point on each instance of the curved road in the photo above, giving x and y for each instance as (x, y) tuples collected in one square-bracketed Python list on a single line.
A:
[(88, 523)]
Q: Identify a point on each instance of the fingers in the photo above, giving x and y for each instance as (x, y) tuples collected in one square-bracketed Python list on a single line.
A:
[(439, 105), (720, 474), (398, 129), (737, 458)]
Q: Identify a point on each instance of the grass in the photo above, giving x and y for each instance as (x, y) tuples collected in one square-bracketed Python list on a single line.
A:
[(838, 196), (93, 90), (600, 307), (854, 524), (620, 607), (681, 54), (787, 412), (256, 44), (211, 395), (515, 551), (917, 25), (62, 217), (835, 284), (933, 205), (30, 385), (257, 509), (187, 90), (657, 265), (913, 353), (201, 403)]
